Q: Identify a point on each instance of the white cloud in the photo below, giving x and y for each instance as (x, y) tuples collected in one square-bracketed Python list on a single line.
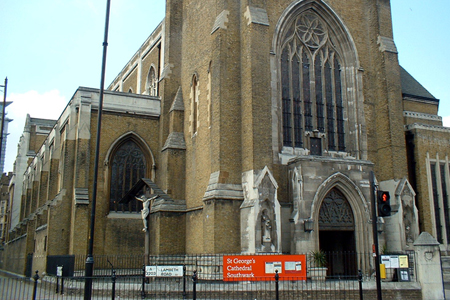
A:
[(446, 121), (48, 105)]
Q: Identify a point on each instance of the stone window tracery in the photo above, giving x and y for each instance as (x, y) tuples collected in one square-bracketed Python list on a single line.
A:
[(311, 84), (152, 82), (336, 212), (128, 165)]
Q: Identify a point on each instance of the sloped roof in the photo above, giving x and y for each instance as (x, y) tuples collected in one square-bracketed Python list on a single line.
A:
[(139, 185), (411, 87)]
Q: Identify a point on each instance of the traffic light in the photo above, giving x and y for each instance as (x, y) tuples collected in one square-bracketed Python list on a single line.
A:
[(384, 204)]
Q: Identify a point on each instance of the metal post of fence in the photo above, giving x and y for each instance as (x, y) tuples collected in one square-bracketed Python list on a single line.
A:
[(184, 281), (277, 277), (360, 279), (113, 278), (194, 286), (36, 278), (57, 284), (143, 283)]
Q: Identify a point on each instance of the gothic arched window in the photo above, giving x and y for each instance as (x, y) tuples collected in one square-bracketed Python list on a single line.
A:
[(311, 84), (128, 165)]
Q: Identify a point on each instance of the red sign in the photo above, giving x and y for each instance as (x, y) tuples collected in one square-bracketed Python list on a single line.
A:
[(264, 267)]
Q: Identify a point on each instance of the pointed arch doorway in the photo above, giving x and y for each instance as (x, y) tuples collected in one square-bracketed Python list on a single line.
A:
[(337, 234)]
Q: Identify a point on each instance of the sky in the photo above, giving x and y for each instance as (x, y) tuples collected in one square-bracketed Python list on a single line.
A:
[(48, 48)]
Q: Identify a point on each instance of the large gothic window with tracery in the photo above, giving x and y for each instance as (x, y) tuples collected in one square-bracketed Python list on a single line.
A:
[(311, 84), (127, 166), (336, 213)]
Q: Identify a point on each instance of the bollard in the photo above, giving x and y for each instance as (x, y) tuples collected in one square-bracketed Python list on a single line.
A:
[(194, 287), (113, 292), (36, 278), (62, 285), (59, 270), (360, 279), (277, 277), (143, 283), (184, 281)]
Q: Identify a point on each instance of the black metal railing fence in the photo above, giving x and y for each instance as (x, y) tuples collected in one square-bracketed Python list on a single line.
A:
[(210, 266), (124, 277), (187, 287)]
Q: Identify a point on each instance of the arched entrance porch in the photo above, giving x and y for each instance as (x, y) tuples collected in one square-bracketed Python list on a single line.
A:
[(337, 234)]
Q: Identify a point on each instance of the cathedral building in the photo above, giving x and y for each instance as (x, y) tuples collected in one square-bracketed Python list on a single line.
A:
[(258, 126)]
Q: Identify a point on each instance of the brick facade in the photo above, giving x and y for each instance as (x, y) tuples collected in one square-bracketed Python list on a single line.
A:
[(214, 138)]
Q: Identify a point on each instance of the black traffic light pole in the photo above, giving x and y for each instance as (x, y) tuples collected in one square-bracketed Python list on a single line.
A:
[(375, 233), (89, 267), (3, 115)]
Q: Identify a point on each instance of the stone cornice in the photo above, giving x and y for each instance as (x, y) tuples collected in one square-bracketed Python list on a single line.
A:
[(427, 127), (423, 116)]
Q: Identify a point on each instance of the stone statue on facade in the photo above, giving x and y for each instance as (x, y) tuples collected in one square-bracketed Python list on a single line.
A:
[(265, 222), (146, 206)]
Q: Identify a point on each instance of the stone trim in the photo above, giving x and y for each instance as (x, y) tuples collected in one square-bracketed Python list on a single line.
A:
[(162, 205), (221, 19), (40, 228), (419, 99), (413, 114), (165, 73), (256, 15), (427, 127), (41, 209), (17, 238), (386, 44), (216, 190), (178, 103), (426, 239), (194, 209), (333, 160), (175, 140), (117, 215), (81, 196), (131, 69)]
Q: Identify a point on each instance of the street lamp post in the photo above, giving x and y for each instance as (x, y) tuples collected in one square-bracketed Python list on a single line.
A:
[(89, 268)]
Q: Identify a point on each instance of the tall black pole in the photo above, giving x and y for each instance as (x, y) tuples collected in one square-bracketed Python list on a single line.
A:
[(3, 117), (375, 234), (89, 270)]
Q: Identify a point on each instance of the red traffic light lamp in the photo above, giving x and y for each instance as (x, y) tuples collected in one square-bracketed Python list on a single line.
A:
[(383, 203)]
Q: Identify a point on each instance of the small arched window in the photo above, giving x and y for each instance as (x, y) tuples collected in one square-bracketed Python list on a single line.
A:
[(128, 165), (152, 82)]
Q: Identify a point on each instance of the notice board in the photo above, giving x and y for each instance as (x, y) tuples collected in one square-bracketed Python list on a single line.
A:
[(264, 267)]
